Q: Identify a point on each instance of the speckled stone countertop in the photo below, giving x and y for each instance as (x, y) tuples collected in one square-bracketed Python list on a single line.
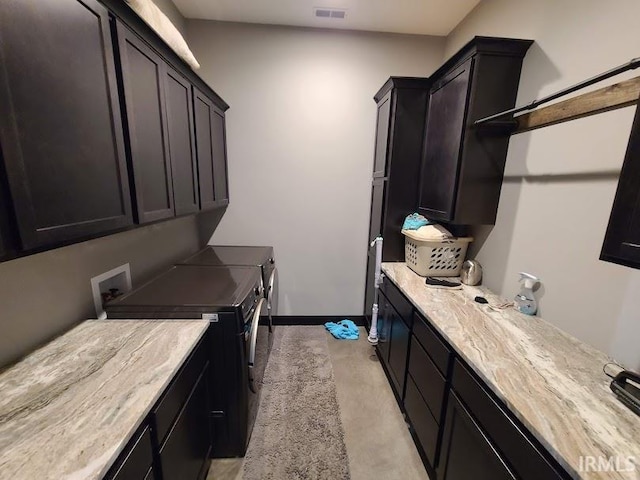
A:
[(550, 380), (69, 408)]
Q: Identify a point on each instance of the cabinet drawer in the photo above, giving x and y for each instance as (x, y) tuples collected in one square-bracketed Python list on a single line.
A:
[(134, 463), (398, 300), (436, 348), (524, 457), (186, 450), (168, 407), (427, 378), (423, 423)]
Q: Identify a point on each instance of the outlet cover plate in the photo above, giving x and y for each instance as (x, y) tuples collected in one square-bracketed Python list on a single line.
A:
[(119, 277)]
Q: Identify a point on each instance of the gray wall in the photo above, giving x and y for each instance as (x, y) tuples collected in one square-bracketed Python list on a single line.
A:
[(171, 11), (561, 180), (300, 137), (44, 295)]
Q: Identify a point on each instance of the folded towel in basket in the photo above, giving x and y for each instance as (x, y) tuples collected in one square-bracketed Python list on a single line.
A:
[(433, 233), (343, 330), (414, 222)]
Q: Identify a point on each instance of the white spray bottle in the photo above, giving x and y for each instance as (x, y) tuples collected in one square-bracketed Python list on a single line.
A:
[(524, 301)]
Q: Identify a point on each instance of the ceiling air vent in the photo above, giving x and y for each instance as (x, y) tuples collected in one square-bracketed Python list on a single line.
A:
[(337, 13)]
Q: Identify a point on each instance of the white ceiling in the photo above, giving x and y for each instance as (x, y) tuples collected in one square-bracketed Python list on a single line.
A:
[(426, 17)]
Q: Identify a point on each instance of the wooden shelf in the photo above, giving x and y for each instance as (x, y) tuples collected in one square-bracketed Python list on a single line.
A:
[(612, 97)]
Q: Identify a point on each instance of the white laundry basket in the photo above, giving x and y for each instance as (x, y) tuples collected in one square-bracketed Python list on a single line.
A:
[(442, 258)]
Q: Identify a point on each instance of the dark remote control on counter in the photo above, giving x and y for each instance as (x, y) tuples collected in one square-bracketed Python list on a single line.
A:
[(440, 283)]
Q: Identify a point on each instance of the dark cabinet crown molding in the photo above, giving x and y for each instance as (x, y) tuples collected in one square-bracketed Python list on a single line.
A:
[(401, 82), (497, 46)]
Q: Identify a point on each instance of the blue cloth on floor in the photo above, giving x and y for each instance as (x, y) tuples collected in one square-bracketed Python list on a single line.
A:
[(415, 221), (343, 330)]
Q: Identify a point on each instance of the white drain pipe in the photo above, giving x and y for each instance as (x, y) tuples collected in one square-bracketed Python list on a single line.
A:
[(373, 331)]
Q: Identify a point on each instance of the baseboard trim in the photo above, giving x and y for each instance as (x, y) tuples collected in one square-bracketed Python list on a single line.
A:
[(316, 319)]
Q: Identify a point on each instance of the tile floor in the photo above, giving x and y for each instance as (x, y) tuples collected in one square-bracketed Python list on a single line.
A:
[(378, 442)]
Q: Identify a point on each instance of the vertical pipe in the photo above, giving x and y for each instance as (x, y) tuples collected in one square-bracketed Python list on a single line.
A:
[(373, 331)]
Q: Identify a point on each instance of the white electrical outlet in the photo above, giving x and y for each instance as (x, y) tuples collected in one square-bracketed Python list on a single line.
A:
[(119, 277)]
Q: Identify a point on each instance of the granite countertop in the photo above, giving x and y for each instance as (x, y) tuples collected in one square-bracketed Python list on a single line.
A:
[(550, 380), (68, 409)]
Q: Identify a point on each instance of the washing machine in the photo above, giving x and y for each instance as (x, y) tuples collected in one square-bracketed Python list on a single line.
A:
[(231, 298)]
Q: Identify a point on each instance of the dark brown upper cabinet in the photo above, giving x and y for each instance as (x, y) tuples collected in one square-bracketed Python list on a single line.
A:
[(462, 169), (622, 241), (212, 154), (143, 78), (401, 113), (182, 145), (97, 126), (60, 128)]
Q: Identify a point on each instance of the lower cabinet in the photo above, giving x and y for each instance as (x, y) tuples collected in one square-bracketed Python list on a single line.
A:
[(174, 441), (135, 463), (461, 430), (467, 452), (186, 449), (394, 330), (481, 435), (427, 387)]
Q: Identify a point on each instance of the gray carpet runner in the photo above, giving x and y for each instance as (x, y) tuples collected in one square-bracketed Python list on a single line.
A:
[(298, 433)]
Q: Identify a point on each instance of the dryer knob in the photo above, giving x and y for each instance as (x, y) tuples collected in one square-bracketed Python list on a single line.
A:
[(272, 261)]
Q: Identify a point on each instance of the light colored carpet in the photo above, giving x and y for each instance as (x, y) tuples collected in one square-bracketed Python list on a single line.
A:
[(298, 433)]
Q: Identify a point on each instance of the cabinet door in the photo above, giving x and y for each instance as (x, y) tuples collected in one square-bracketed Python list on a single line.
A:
[(219, 141), (467, 453), (134, 463), (60, 129), (443, 143), (186, 450), (212, 157), (382, 136), (181, 143), (398, 349), (384, 328), (143, 73), (622, 241)]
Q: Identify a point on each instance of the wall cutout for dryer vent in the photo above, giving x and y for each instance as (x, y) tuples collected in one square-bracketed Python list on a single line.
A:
[(118, 279), (331, 13)]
